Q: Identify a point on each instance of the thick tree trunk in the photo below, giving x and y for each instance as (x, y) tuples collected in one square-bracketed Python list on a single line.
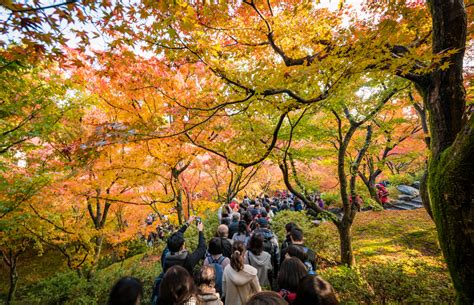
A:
[(451, 190), (450, 183)]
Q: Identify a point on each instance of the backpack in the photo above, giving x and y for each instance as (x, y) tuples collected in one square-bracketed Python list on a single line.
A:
[(308, 264), (219, 271), (156, 285), (269, 247)]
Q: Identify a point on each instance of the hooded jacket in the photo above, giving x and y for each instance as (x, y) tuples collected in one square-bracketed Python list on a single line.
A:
[(239, 286), (209, 296), (263, 264)]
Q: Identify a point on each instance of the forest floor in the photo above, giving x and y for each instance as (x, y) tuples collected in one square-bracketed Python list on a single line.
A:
[(395, 250)]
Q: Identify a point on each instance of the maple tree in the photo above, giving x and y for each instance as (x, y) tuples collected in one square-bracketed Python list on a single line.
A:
[(231, 78)]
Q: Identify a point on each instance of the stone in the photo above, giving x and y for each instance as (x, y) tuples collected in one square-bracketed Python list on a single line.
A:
[(408, 190)]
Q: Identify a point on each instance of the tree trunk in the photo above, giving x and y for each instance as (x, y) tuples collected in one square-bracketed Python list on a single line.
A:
[(347, 255), (13, 278), (451, 190), (179, 206), (450, 183), (98, 248)]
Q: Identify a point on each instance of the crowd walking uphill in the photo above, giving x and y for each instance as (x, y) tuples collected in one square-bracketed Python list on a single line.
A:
[(243, 264)]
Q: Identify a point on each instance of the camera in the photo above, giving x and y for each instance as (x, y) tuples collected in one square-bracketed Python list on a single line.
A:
[(198, 220)]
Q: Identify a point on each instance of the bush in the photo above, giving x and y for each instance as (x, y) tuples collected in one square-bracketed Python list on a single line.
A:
[(406, 179), (322, 239), (411, 280), (71, 288), (349, 284), (331, 199), (403, 281)]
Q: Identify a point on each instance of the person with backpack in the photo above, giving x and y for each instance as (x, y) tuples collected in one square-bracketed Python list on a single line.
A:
[(292, 270), (270, 245), (242, 234), (175, 254), (259, 259), (205, 280), (240, 280), (297, 240), (217, 260)]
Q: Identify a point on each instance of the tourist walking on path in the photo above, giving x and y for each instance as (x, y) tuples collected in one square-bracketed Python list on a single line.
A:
[(297, 240), (176, 253), (292, 270), (261, 260), (205, 280), (240, 280), (243, 234), (177, 287)]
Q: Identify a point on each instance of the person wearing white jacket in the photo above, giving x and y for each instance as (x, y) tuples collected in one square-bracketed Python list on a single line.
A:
[(240, 281)]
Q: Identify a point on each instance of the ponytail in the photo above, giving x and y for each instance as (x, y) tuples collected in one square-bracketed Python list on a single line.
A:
[(237, 259)]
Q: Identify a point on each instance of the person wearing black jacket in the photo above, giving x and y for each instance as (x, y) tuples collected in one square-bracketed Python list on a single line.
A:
[(297, 240), (288, 227), (176, 253)]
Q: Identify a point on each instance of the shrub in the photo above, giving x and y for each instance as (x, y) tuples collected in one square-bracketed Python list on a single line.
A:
[(323, 239), (71, 288), (411, 280), (349, 284), (331, 199)]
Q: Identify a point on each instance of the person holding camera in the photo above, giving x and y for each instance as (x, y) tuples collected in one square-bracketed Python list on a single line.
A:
[(176, 252)]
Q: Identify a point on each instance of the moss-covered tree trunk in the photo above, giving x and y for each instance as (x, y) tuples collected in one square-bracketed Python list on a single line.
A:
[(450, 180)]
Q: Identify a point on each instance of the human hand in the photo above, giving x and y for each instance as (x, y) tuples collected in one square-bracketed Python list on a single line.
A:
[(200, 226), (191, 219)]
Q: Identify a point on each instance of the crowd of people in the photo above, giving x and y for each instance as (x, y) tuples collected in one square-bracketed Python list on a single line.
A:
[(243, 264)]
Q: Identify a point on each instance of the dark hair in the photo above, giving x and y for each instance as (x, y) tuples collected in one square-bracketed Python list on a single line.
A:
[(266, 298), (314, 290), (290, 226), (243, 227), (256, 244), (296, 234), (248, 217), (175, 242), (206, 276), (292, 270), (298, 252), (215, 246), (177, 286), (237, 257), (126, 291)]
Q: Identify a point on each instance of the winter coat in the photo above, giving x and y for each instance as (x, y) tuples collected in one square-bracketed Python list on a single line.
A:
[(269, 235), (209, 297), (184, 258), (263, 264), (239, 286)]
